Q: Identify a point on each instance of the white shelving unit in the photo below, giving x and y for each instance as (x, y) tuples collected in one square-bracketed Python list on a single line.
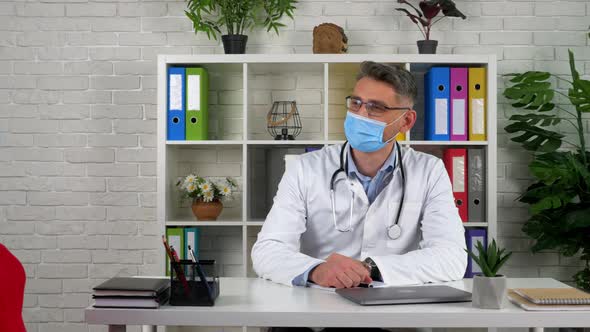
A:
[(242, 89)]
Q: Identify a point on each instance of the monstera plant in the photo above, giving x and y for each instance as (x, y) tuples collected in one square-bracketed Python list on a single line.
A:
[(560, 198)]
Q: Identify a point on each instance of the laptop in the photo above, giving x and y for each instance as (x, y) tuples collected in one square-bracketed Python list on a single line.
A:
[(404, 295)]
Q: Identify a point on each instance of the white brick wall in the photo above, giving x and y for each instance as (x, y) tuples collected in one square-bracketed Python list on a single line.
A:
[(77, 125)]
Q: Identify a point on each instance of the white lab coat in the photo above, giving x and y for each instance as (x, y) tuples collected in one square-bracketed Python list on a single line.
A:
[(299, 230)]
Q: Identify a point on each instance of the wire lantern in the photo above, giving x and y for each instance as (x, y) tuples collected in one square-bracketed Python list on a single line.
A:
[(283, 121)]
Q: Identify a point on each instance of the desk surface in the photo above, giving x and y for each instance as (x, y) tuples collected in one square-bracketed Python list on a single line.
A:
[(257, 302)]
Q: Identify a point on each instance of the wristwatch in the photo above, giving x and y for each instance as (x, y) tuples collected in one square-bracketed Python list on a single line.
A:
[(373, 268)]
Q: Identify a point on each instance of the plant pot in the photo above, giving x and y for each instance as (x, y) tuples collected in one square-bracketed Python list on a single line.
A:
[(207, 211), (234, 44), (427, 46), (489, 293)]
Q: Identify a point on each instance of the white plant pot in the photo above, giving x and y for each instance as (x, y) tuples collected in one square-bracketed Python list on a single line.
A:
[(489, 293)]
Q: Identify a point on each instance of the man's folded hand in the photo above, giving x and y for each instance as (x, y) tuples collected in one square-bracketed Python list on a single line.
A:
[(340, 271)]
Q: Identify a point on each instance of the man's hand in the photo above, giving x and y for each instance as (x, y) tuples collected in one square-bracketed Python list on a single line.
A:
[(340, 271)]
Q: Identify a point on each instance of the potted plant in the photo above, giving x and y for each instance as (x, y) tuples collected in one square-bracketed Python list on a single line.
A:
[(210, 16), (559, 198), (424, 17), (206, 195), (489, 289)]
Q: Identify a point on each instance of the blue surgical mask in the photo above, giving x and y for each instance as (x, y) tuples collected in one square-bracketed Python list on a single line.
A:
[(365, 134)]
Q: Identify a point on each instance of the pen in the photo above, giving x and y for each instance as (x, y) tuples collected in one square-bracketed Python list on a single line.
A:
[(192, 257), (191, 254), (174, 254), (174, 258), (365, 285)]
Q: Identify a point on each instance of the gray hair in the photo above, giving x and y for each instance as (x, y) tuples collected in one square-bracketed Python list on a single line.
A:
[(397, 77)]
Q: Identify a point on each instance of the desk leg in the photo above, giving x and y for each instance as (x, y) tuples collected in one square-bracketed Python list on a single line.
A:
[(117, 328), (536, 329), (149, 328)]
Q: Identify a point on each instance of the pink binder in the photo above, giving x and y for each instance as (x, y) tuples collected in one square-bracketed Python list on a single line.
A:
[(458, 98)]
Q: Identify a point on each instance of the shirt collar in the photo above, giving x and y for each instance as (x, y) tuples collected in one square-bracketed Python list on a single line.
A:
[(388, 165)]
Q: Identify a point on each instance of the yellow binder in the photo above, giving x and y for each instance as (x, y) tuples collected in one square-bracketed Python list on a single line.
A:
[(477, 104)]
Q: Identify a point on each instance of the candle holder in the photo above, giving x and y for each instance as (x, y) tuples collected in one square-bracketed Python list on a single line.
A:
[(283, 121)]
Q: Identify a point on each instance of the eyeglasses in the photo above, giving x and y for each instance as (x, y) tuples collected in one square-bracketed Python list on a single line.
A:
[(354, 104)]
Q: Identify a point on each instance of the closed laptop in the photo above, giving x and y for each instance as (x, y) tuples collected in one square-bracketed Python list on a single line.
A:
[(404, 295)]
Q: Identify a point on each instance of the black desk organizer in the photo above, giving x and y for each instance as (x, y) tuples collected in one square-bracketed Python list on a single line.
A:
[(193, 284)]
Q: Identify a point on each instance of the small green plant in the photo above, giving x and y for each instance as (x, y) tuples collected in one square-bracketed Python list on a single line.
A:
[(210, 16), (490, 260)]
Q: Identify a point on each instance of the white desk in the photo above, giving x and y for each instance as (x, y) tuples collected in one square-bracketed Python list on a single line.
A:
[(256, 303)]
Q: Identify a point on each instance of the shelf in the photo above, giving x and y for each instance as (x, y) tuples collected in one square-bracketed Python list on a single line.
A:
[(238, 59), (475, 224), (203, 223), (475, 143), (211, 142), (261, 223), (315, 142), (295, 142)]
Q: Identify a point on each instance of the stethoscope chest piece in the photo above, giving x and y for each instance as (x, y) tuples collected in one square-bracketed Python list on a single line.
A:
[(394, 232)]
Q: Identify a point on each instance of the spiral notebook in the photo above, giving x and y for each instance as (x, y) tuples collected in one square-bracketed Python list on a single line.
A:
[(559, 296), (530, 306)]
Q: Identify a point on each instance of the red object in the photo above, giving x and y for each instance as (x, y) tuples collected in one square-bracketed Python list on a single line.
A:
[(174, 258), (456, 164), (12, 292)]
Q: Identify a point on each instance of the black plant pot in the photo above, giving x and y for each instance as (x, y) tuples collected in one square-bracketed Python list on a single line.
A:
[(234, 44), (427, 46)]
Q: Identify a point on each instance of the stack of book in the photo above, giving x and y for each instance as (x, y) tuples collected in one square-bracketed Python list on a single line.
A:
[(553, 299), (132, 293)]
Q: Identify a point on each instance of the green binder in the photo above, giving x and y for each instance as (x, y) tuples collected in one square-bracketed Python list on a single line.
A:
[(197, 108), (175, 238)]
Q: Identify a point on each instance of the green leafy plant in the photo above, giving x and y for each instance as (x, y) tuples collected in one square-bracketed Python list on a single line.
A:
[(489, 259), (429, 9), (210, 16), (560, 198)]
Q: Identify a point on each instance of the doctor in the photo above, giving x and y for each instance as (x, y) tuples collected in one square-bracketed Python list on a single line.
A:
[(369, 209)]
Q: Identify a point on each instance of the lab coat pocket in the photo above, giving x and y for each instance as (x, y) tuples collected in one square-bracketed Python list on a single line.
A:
[(409, 222)]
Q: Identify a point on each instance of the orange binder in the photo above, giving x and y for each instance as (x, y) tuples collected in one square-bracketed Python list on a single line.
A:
[(455, 161), (477, 104)]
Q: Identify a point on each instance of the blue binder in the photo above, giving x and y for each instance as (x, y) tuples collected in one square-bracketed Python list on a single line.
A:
[(176, 95), (191, 237), (472, 237), (436, 104)]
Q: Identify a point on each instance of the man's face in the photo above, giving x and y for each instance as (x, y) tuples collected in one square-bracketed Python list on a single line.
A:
[(380, 93)]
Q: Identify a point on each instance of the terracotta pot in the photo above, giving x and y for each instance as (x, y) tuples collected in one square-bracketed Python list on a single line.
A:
[(206, 211)]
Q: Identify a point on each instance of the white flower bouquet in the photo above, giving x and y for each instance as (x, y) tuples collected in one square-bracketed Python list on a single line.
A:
[(206, 190)]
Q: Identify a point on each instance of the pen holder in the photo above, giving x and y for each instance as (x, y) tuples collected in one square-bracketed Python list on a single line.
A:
[(193, 283)]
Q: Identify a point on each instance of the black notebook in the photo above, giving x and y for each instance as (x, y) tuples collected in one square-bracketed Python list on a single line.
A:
[(131, 301), (122, 286)]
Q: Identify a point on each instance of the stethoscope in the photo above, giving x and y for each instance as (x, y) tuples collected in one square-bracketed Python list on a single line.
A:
[(393, 231)]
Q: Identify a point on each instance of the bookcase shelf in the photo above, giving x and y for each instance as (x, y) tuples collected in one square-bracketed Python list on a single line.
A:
[(242, 89), (208, 142)]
